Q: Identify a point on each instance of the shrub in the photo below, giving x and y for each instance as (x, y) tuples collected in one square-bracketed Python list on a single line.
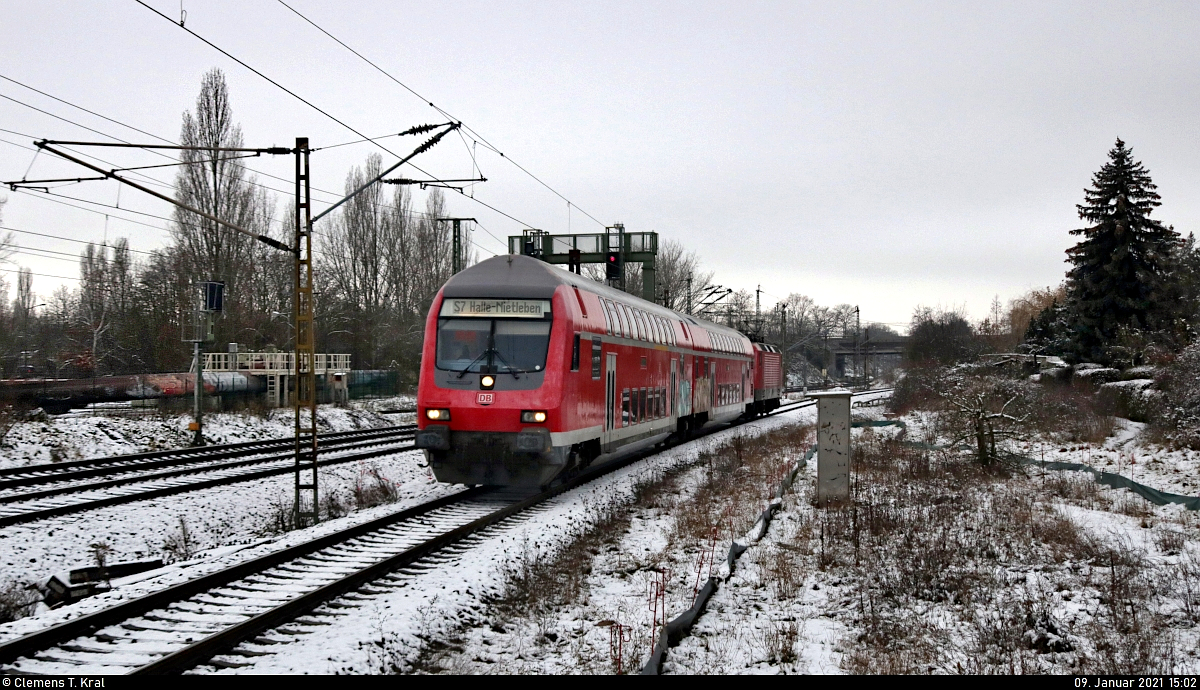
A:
[(17, 600), (1177, 419), (941, 337)]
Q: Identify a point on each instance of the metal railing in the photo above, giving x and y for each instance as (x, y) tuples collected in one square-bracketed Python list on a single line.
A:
[(272, 362), (598, 243)]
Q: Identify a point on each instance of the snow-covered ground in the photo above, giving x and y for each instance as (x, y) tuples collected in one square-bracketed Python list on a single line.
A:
[(81, 436), (232, 519), (390, 625), (1128, 453), (791, 607), (787, 607)]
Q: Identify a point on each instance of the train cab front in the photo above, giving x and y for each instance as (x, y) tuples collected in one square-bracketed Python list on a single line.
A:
[(485, 403)]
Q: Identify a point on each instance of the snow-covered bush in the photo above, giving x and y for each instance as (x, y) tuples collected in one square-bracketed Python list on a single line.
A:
[(17, 600), (1177, 419), (8, 417), (982, 412)]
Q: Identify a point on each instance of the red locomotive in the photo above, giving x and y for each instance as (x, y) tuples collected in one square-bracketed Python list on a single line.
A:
[(529, 371)]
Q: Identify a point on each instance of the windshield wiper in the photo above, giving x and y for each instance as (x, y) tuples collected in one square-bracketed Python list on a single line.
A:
[(511, 369), (472, 362)]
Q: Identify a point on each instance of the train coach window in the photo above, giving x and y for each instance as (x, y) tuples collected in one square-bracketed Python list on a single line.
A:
[(617, 324), (607, 317), (521, 345), (626, 320), (625, 407), (575, 354), (642, 405), (596, 357), (463, 343)]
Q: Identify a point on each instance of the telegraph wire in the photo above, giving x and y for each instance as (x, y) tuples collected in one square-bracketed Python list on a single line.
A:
[(90, 112), (40, 275), (65, 239), (272, 81), (318, 252), (476, 134), (59, 117), (26, 251)]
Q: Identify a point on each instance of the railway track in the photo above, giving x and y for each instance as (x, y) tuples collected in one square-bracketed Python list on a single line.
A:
[(188, 624), (88, 484)]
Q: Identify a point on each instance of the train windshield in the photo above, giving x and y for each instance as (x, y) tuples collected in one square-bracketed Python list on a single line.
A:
[(492, 345)]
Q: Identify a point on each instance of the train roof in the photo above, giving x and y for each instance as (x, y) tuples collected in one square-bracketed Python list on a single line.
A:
[(516, 276)]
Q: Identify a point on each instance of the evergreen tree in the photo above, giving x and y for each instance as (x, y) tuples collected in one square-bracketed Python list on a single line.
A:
[(1121, 275), (1048, 331)]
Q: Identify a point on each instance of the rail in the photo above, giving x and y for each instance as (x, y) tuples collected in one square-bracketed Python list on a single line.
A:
[(385, 545)]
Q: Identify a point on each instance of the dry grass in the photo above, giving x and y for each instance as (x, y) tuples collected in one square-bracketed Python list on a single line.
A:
[(932, 531), (180, 544), (373, 488), (737, 479), (18, 599)]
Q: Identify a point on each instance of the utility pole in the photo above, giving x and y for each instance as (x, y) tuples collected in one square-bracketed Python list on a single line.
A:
[(456, 259), (209, 298), (306, 507), (198, 397), (689, 294), (857, 333), (783, 341), (758, 310)]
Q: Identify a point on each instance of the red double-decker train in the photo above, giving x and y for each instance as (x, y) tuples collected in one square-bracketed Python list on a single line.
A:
[(529, 372)]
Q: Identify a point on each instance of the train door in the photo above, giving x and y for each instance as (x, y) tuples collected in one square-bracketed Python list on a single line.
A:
[(712, 379), (671, 404), (610, 397)]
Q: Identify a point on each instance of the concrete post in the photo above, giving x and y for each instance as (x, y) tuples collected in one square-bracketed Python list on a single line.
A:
[(833, 445)]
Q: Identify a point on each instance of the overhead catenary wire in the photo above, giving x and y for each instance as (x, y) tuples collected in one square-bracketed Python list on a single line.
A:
[(163, 139), (40, 275), (318, 109), (476, 134), (39, 195)]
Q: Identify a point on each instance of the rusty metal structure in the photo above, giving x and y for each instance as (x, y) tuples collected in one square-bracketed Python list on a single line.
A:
[(305, 376)]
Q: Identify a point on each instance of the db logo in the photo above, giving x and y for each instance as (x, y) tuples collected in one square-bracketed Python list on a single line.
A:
[(486, 398)]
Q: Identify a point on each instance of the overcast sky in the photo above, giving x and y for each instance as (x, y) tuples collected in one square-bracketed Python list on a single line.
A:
[(881, 154)]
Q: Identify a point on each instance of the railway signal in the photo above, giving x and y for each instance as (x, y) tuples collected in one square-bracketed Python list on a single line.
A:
[(612, 266)]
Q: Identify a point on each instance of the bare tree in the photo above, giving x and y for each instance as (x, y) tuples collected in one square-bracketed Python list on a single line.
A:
[(676, 266), (6, 240), (94, 302), (216, 182), (355, 259)]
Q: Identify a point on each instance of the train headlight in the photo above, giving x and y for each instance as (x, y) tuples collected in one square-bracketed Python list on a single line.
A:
[(533, 416), (437, 415), (486, 381)]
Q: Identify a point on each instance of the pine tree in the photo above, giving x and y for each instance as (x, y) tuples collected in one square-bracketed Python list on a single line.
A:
[(1121, 276)]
